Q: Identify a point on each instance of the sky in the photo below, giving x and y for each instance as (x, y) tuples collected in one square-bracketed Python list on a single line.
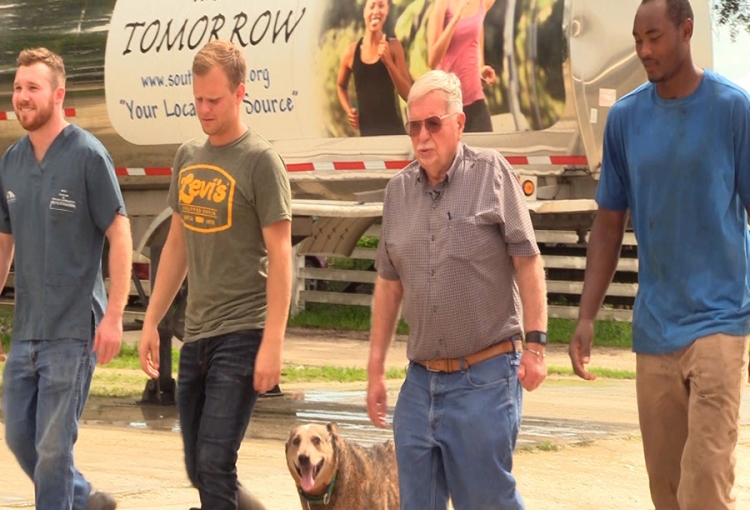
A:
[(732, 58)]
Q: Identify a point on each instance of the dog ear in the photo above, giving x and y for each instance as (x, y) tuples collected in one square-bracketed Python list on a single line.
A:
[(333, 429), (289, 439)]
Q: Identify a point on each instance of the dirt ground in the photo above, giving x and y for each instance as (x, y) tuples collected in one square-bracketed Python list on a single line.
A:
[(144, 468)]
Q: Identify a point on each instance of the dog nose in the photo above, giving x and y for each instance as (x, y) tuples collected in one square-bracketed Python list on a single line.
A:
[(304, 460)]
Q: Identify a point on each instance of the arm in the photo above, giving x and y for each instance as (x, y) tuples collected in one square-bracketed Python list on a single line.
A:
[(7, 247), (487, 73), (278, 239), (342, 85), (392, 54), (169, 277), (439, 36), (386, 305), (108, 337), (532, 288), (601, 262)]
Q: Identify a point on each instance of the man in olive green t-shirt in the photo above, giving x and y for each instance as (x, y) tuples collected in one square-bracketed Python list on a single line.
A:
[(231, 235)]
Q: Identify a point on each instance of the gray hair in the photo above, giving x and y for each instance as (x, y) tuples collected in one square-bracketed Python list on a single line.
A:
[(437, 80)]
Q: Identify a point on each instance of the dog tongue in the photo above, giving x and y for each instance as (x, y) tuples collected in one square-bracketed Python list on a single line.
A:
[(307, 482)]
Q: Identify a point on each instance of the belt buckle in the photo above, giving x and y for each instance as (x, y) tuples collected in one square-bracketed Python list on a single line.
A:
[(436, 365), (428, 366)]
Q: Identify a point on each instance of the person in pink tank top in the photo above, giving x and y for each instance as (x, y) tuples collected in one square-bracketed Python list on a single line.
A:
[(456, 45)]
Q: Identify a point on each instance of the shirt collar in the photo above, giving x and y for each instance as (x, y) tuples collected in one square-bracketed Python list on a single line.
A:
[(457, 161)]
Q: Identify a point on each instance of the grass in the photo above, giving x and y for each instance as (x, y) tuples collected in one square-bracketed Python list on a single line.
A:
[(544, 446), (338, 317), (111, 382), (123, 376), (128, 359), (357, 318), (548, 446), (608, 373), (606, 333), (330, 373), (117, 383)]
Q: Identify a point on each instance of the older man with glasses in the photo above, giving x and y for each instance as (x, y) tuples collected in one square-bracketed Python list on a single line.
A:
[(458, 250)]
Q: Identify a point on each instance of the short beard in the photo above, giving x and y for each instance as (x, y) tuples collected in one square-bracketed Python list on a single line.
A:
[(41, 117)]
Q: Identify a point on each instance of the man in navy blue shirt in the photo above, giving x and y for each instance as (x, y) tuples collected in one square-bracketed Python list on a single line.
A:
[(59, 199), (677, 156)]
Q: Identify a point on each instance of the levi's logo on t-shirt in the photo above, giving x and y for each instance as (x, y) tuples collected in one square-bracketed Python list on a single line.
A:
[(206, 195)]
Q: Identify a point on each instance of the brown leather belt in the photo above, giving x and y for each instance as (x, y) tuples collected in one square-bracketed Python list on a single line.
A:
[(450, 365)]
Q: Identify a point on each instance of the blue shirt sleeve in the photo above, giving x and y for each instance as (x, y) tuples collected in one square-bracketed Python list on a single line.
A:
[(741, 120), (102, 189), (5, 226), (612, 190)]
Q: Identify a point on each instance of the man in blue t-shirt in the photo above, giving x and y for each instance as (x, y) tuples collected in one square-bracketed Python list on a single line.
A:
[(677, 156), (59, 199)]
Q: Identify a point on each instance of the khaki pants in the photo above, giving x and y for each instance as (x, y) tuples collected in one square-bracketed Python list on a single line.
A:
[(688, 408)]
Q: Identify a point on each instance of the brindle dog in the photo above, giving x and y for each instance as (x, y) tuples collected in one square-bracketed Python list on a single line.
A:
[(334, 474)]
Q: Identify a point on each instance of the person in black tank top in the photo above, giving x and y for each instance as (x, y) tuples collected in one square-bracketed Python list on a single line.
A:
[(379, 68), (376, 98)]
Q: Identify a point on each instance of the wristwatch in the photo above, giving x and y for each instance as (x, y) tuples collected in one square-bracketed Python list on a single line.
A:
[(536, 337)]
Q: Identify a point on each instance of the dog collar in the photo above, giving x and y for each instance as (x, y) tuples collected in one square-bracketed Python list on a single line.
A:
[(320, 500)]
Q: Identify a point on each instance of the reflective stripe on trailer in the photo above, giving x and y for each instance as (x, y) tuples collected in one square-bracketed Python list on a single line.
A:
[(143, 171), (69, 112), (547, 160), (355, 166), (347, 165)]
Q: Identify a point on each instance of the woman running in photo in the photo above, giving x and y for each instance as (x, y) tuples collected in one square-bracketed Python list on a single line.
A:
[(379, 68), (455, 34)]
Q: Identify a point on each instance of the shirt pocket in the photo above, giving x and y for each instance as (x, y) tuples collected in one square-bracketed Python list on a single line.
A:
[(68, 236), (468, 239), (64, 205)]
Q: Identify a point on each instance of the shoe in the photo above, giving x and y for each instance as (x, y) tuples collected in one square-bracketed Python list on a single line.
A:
[(101, 501)]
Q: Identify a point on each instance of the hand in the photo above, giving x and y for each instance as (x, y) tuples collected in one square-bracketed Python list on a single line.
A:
[(377, 401), (377, 397), (532, 371), (384, 51), (267, 366), (487, 73), (354, 118), (462, 5), (2, 354), (108, 339), (580, 349), (148, 351)]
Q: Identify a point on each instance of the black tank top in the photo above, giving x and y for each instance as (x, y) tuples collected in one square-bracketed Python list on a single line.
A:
[(376, 98)]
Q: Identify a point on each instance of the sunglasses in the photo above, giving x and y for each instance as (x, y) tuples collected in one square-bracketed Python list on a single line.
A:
[(431, 124)]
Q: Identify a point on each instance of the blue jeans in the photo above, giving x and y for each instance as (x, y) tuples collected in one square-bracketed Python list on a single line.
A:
[(45, 387), (215, 398), (455, 435)]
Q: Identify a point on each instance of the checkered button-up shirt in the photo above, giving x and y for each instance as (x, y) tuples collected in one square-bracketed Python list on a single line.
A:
[(451, 248)]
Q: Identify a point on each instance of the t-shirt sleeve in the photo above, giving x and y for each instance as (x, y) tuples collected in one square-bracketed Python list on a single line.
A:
[(5, 226), (612, 192), (742, 147), (272, 193), (515, 220), (383, 263), (173, 198), (103, 191)]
